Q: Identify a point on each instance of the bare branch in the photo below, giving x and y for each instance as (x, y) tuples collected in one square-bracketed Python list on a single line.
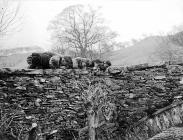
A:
[(79, 28), (8, 16)]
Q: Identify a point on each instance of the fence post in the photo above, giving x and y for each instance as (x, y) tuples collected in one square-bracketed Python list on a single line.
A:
[(91, 120)]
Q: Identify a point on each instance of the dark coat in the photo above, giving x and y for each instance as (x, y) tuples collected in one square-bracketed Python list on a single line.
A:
[(39, 60)]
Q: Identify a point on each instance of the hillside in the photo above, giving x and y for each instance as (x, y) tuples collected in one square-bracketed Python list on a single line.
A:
[(16, 57), (148, 50)]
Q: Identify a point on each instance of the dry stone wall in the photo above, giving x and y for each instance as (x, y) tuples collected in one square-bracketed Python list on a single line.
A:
[(53, 98)]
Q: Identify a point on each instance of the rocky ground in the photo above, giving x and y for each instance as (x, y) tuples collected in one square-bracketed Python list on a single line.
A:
[(55, 99)]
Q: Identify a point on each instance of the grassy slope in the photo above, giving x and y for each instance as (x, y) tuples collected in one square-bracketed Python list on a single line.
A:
[(142, 52)]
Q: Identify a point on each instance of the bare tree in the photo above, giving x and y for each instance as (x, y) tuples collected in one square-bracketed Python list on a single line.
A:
[(58, 48), (80, 28), (170, 47), (177, 38), (8, 16), (168, 52)]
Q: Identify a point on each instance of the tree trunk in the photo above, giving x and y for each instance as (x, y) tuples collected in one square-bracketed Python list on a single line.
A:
[(83, 52)]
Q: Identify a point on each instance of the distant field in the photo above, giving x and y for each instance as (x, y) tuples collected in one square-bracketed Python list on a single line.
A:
[(15, 60)]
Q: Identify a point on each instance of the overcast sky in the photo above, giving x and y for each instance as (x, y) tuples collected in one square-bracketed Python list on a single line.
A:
[(130, 18)]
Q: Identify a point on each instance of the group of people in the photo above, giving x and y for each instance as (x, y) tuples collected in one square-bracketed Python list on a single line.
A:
[(49, 60)]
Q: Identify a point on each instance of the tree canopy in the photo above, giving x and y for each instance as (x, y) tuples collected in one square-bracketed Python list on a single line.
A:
[(80, 28)]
